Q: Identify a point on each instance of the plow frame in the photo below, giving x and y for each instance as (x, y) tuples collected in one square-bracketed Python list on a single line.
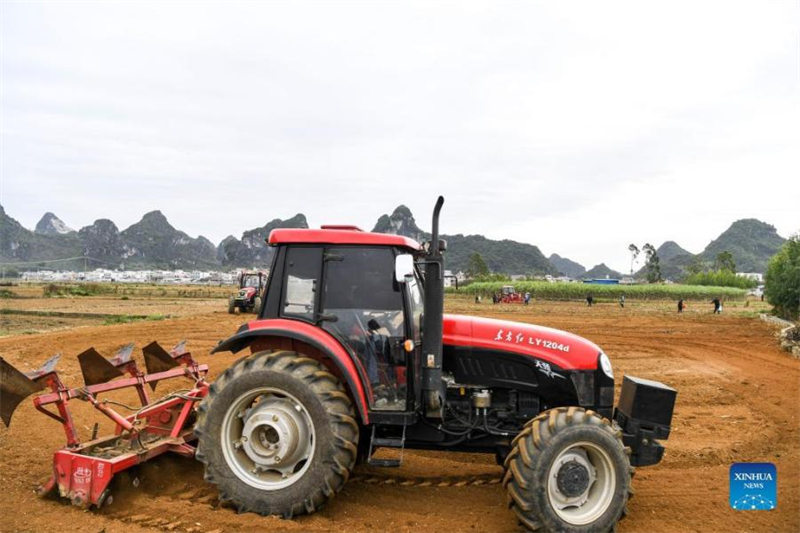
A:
[(82, 471)]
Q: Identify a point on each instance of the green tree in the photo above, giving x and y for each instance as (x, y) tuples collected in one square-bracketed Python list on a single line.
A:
[(652, 265), (634, 250), (724, 261), (720, 278), (782, 288), (476, 267)]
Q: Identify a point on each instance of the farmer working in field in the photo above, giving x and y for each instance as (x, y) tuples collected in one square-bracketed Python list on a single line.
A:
[(680, 305), (717, 305), (589, 299)]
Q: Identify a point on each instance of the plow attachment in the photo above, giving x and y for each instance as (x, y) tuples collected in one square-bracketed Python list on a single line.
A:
[(82, 470)]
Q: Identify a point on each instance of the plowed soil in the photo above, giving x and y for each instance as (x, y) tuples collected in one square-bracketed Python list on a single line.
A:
[(738, 400)]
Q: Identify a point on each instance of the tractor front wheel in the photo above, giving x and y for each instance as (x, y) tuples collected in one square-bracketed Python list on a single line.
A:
[(277, 434), (231, 305), (568, 471)]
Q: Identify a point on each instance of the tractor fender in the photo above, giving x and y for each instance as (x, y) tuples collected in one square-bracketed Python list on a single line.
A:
[(327, 345)]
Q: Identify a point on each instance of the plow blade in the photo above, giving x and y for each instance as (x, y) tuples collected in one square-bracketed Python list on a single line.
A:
[(15, 386), (157, 359), (97, 369)]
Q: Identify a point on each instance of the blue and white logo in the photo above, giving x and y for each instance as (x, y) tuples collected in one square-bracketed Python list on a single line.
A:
[(753, 486)]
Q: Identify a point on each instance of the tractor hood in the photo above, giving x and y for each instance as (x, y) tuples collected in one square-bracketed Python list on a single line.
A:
[(247, 292), (567, 351)]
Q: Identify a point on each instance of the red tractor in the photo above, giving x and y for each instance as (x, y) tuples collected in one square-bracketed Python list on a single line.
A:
[(508, 295), (248, 299), (351, 352)]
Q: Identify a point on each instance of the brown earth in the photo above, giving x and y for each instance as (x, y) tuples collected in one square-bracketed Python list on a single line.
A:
[(738, 400)]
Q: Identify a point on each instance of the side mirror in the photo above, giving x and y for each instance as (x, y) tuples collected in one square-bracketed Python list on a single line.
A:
[(403, 266)]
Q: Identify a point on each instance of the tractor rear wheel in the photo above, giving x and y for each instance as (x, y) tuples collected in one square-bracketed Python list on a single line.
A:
[(568, 471), (231, 305), (277, 434)]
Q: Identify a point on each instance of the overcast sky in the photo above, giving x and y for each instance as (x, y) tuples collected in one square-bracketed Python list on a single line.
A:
[(578, 127)]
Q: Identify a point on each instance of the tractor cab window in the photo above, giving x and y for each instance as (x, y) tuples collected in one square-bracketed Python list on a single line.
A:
[(361, 292), (250, 281), (417, 306), (300, 285)]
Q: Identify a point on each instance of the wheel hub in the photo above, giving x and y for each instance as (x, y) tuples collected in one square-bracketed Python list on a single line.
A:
[(274, 434), (572, 479), (268, 438), (572, 476)]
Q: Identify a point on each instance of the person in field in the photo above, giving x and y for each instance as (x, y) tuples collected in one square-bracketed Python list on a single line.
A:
[(717, 305), (622, 301), (680, 305), (589, 299), (527, 298)]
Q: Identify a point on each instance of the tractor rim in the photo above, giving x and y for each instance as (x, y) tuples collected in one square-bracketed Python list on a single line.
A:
[(268, 438), (581, 483)]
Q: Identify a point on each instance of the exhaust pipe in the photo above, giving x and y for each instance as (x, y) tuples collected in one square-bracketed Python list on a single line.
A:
[(432, 384)]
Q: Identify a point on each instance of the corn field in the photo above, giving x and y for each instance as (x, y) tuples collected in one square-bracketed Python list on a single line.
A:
[(578, 291)]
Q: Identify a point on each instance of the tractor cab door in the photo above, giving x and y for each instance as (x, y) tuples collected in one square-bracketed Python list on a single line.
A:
[(363, 306)]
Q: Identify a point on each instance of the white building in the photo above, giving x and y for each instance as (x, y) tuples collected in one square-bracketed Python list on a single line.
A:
[(756, 276)]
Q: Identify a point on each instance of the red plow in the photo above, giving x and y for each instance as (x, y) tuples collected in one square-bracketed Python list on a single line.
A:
[(82, 471)]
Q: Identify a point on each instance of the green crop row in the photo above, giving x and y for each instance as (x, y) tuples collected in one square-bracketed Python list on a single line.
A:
[(572, 291)]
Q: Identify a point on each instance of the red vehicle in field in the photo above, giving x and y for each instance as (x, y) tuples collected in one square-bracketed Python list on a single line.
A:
[(351, 352), (248, 298), (508, 295)]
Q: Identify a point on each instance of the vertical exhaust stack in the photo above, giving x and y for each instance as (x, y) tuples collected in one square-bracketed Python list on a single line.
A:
[(432, 384)]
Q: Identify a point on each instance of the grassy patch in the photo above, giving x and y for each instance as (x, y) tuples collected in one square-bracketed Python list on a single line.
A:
[(126, 319), (80, 289), (5, 293)]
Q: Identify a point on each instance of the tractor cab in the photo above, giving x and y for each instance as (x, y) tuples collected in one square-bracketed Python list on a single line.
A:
[(364, 292), (254, 280)]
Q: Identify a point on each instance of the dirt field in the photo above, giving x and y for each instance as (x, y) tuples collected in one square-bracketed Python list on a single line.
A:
[(738, 400), (65, 312)]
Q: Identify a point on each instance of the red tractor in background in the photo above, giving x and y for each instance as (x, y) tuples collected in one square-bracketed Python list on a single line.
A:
[(508, 295), (351, 352), (248, 299)]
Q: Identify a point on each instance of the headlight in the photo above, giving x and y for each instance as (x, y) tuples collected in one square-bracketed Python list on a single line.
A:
[(605, 364)]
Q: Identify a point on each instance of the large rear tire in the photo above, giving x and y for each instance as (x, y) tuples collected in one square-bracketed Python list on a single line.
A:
[(277, 434), (568, 471)]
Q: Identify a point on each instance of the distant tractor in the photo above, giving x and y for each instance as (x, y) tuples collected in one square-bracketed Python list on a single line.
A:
[(248, 299), (509, 295)]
